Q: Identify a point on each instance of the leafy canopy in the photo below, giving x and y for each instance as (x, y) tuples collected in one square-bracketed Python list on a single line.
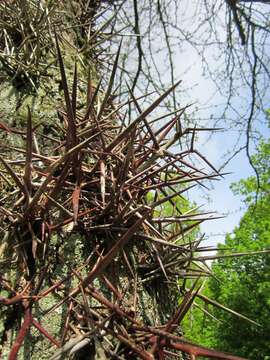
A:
[(243, 283)]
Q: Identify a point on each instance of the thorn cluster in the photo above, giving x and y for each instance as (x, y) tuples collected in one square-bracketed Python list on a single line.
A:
[(107, 184)]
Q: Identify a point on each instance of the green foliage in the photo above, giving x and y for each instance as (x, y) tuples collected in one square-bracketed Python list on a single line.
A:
[(243, 283), (248, 187)]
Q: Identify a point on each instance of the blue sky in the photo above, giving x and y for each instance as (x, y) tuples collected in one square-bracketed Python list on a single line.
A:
[(220, 197), (209, 103)]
